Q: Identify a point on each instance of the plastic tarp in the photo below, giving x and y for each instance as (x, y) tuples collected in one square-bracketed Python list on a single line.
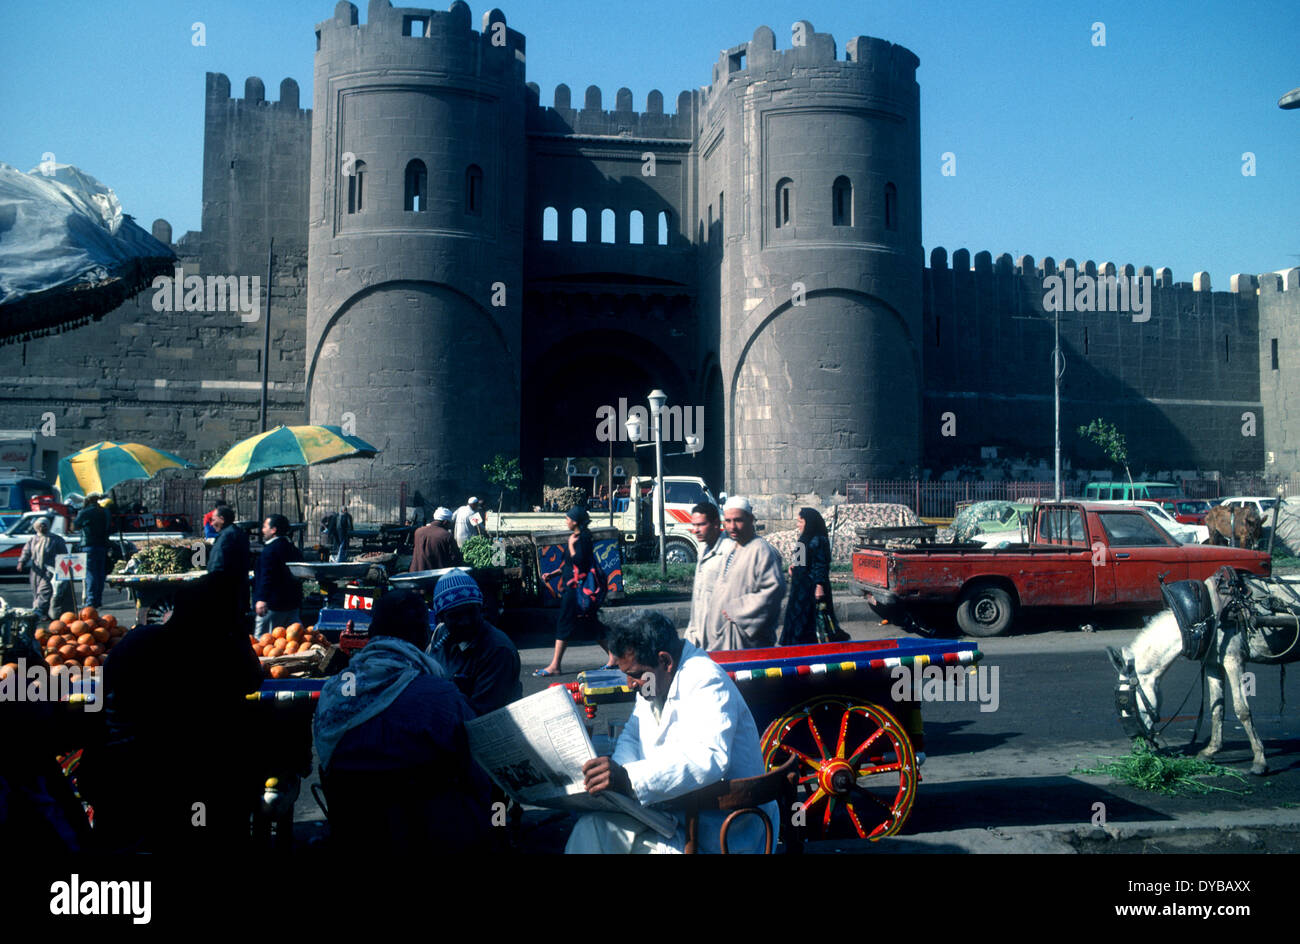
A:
[(68, 254)]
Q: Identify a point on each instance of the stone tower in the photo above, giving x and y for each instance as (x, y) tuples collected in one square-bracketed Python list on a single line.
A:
[(810, 173), (416, 241)]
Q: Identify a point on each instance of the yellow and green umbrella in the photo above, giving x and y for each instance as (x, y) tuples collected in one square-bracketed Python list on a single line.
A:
[(285, 449), (100, 467)]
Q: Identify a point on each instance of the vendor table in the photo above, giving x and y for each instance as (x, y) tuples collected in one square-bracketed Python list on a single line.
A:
[(152, 592)]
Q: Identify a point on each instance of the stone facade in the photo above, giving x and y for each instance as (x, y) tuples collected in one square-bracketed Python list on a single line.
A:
[(459, 270)]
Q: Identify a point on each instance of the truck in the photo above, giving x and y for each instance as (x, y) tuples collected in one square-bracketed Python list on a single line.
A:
[(1079, 554), (636, 517), (121, 544), (30, 453)]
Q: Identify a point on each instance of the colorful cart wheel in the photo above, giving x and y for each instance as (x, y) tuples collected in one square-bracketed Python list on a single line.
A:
[(859, 772)]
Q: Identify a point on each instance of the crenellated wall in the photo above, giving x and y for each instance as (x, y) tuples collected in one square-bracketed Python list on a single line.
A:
[(1279, 369), (1176, 379)]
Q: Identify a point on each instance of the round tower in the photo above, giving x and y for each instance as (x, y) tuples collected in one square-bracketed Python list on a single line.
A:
[(415, 248), (819, 267)]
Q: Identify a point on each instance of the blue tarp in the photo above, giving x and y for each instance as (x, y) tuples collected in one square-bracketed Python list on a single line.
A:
[(68, 254)]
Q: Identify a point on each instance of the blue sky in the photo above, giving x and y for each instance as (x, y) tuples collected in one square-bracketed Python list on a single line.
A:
[(1131, 152)]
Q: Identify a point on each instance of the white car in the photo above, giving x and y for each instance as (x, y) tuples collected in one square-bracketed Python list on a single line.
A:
[(1261, 503), (1182, 533)]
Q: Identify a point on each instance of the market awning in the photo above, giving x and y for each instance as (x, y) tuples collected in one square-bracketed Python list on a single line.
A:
[(68, 254)]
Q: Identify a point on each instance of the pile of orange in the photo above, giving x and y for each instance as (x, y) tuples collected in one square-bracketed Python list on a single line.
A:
[(77, 641), (287, 641)]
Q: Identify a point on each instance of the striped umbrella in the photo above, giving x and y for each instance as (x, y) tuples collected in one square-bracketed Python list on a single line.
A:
[(284, 449), (104, 465)]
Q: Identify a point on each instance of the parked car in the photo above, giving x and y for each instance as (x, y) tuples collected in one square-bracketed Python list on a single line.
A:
[(1187, 510), (1182, 533), (1262, 504)]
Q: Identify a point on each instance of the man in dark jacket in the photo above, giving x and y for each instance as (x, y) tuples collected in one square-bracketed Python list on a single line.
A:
[(230, 558), (477, 656), (277, 591), (93, 524), (435, 547)]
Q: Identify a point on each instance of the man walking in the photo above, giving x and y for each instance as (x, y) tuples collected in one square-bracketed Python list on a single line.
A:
[(277, 591), (342, 526), (93, 524), (39, 553), (230, 557), (435, 547), (469, 520), (746, 604), (716, 547)]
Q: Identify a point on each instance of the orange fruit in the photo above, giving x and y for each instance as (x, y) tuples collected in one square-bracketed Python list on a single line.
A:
[(257, 651), (89, 613), (266, 639), (278, 671), (54, 659), (97, 650), (67, 651), (293, 633), (54, 642), (109, 620), (77, 628), (279, 632), (86, 639), (83, 650), (67, 617), (41, 635), (91, 661), (101, 634), (291, 648), (311, 628), (59, 670), (293, 626)]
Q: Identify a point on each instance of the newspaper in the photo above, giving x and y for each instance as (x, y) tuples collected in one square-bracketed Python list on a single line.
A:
[(535, 748)]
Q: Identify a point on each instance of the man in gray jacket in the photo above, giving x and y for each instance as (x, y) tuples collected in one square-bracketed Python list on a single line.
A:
[(706, 525), (39, 553)]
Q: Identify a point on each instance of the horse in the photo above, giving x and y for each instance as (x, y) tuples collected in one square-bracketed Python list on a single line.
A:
[(1239, 527), (1234, 615)]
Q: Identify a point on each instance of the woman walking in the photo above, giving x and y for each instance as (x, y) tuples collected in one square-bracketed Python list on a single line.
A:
[(810, 585), (579, 559)]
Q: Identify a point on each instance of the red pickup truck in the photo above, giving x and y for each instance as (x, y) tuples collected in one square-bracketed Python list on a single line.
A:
[(1079, 554)]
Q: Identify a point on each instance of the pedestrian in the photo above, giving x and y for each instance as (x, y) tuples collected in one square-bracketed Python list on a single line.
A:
[(479, 658), (574, 620), (810, 585), (342, 527), (277, 592), (468, 520), (715, 547), (210, 529), (39, 553), (419, 513), (746, 604), (435, 548), (93, 523), (230, 559)]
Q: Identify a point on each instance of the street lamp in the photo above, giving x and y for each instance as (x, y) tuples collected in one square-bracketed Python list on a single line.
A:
[(656, 399)]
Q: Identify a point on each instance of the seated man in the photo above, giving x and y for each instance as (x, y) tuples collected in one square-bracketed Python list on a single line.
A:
[(690, 728), (390, 735), (479, 658)]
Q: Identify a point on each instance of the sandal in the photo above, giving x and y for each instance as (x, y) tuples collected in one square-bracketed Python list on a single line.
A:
[(543, 673)]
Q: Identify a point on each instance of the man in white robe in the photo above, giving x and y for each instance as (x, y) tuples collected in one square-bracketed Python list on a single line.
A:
[(746, 603), (690, 728), (706, 525)]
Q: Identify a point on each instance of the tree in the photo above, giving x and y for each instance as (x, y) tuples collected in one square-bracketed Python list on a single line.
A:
[(1111, 441), (506, 474)]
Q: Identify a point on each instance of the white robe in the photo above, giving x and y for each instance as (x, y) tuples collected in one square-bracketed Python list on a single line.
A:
[(704, 733), (707, 571), (750, 589)]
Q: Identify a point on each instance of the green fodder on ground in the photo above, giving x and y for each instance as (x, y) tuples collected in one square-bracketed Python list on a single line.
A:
[(1160, 773)]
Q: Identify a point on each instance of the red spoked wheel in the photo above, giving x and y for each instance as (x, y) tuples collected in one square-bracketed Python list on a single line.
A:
[(858, 774)]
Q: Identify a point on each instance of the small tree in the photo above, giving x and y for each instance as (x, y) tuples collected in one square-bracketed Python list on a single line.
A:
[(1111, 441), (506, 474)]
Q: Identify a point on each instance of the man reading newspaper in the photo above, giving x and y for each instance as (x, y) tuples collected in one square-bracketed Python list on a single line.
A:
[(690, 728)]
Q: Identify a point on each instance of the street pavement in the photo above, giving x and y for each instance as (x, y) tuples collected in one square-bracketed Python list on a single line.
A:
[(1007, 780)]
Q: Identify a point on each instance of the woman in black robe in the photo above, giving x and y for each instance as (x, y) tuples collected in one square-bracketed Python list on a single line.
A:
[(810, 583)]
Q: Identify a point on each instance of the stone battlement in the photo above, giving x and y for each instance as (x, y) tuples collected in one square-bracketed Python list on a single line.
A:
[(591, 118), (1163, 277), (810, 50), (454, 25), (218, 89)]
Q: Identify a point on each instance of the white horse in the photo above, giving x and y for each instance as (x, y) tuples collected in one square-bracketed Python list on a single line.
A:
[(1142, 663)]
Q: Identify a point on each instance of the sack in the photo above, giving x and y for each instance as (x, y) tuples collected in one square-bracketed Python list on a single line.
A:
[(64, 599), (591, 592)]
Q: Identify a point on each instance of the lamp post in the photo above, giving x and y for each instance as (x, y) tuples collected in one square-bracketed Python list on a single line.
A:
[(656, 399)]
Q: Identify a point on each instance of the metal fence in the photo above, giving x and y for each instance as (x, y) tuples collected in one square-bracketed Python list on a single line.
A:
[(939, 499), (371, 503)]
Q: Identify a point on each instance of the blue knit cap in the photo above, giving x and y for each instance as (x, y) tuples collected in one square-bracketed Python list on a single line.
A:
[(453, 589)]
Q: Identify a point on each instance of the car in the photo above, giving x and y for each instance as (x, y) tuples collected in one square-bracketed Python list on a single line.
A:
[(1182, 533), (1263, 504), (1187, 510)]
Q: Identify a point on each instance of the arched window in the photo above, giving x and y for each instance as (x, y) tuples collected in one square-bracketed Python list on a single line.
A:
[(356, 187), (636, 228), (663, 227), (474, 190), (417, 187), (606, 226), (891, 207), (842, 202), (579, 231), (784, 202), (550, 225)]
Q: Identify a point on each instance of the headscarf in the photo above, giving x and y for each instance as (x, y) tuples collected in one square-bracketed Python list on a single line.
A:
[(814, 525), (579, 516), (443, 513), (453, 589), (739, 501)]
